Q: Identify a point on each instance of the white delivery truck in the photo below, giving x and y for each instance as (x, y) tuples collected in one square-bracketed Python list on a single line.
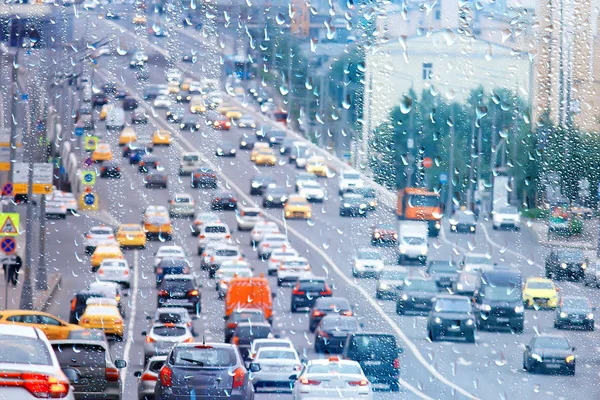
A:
[(412, 241)]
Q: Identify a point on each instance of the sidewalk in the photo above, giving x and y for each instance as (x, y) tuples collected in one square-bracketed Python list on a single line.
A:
[(588, 240)]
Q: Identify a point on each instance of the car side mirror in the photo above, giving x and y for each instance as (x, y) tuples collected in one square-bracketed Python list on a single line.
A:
[(527, 347), (273, 295), (293, 377), (148, 318), (120, 364), (361, 325), (137, 374), (144, 333), (573, 348), (224, 317), (254, 367)]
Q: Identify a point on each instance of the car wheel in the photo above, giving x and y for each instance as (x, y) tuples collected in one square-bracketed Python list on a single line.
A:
[(494, 227), (399, 310), (293, 308), (279, 282), (318, 347), (200, 251), (471, 337), (394, 386), (312, 328), (431, 336)]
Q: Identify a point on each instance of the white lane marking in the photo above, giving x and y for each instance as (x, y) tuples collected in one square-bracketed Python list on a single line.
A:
[(414, 390), (413, 348), (133, 295)]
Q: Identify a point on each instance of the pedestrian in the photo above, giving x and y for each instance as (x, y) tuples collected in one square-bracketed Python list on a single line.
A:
[(12, 269), (17, 267)]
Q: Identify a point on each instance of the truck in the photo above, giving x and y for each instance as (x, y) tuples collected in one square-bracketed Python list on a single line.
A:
[(421, 204), (412, 241)]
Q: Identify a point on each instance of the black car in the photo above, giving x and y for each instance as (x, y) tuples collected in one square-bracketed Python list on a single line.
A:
[(132, 146), (171, 266), (378, 355), (175, 113), (156, 178), (307, 291), (298, 151), (549, 353), (99, 99), (574, 312), (451, 316), (139, 117), (443, 272), (369, 194), (152, 91), (136, 62), (226, 149), (110, 169), (286, 146), (109, 87), (499, 301), (183, 97), (180, 291), (195, 368), (253, 315), (463, 221), (211, 116), (142, 74), (566, 263), (246, 332), (274, 197), (129, 103), (260, 183), (189, 56), (121, 94), (148, 162), (390, 282), (224, 201), (189, 122), (353, 205), (247, 141), (275, 137), (384, 234), (332, 332), (328, 306), (78, 304), (416, 296), (261, 133), (204, 177), (112, 15)]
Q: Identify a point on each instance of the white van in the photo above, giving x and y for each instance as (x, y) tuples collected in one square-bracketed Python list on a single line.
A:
[(115, 119), (413, 241), (349, 179), (189, 162)]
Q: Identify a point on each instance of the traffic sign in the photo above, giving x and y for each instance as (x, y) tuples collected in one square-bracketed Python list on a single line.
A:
[(25, 97), (427, 162), (8, 245), (88, 162), (91, 143), (79, 131), (89, 199), (9, 224), (7, 189), (43, 174), (443, 177), (88, 178)]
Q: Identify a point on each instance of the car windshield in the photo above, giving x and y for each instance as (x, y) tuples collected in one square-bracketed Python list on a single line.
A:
[(508, 210), (351, 176), (413, 241), (548, 342), (339, 324), (23, 350), (190, 158), (215, 229), (80, 355), (421, 285), (540, 285), (452, 305), (369, 255), (393, 274), (571, 255), (226, 253), (334, 368), (437, 267), (169, 331), (268, 354), (577, 303), (315, 286), (203, 356), (506, 292), (477, 260)]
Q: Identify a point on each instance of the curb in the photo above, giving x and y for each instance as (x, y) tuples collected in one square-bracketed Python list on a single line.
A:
[(42, 301)]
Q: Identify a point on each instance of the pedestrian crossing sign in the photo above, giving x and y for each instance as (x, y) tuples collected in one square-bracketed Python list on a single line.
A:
[(9, 224), (91, 143)]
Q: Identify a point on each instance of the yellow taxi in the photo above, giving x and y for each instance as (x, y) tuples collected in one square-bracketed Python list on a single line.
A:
[(223, 109), (297, 207), (103, 314), (102, 153), (53, 327), (104, 111), (127, 136), (197, 105), (257, 147), (540, 293), (131, 235), (173, 87), (265, 157), (185, 85), (158, 225), (104, 251), (139, 19), (161, 137), (233, 113), (317, 165)]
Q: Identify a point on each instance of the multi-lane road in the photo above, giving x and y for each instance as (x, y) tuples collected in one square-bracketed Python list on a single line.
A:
[(489, 369)]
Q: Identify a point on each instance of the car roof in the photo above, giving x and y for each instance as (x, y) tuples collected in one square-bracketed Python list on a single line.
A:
[(501, 276), (81, 341), (19, 330), (177, 277)]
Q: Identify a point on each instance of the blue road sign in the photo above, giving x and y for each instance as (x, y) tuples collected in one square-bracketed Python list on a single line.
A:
[(443, 178), (79, 131), (8, 245), (89, 199), (88, 177), (25, 97)]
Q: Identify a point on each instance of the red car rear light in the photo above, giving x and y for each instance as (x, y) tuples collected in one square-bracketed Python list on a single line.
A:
[(235, 340), (317, 313), (39, 385), (163, 293), (238, 377), (297, 291), (306, 381), (363, 382), (166, 376), (149, 377), (232, 325), (193, 293), (397, 363), (112, 374), (73, 303), (346, 313)]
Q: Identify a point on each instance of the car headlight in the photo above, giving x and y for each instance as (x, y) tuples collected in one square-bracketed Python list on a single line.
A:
[(283, 199), (424, 251), (563, 265), (220, 150), (519, 309), (270, 198), (373, 203), (459, 286), (181, 126), (272, 140), (570, 359), (472, 229), (232, 151), (404, 297), (438, 225), (564, 315), (485, 307), (384, 286), (536, 357), (590, 316), (255, 185), (583, 266), (243, 143), (347, 205), (363, 206), (377, 235), (253, 125), (469, 322), (438, 320), (402, 249), (453, 227)]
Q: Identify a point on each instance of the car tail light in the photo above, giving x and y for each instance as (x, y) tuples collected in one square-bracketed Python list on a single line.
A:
[(166, 376), (126, 272), (117, 169), (197, 222), (149, 340), (196, 175), (112, 374), (73, 303), (238, 377), (189, 340), (324, 334), (212, 259), (88, 236), (297, 291), (326, 292), (159, 270), (306, 381), (317, 313), (274, 260), (100, 271), (163, 292), (39, 385), (85, 321), (227, 236), (149, 377), (397, 363), (235, 340), (346, 313), (186, 270), (118, 298), (232, 325), (118, 321), (363, 382), (111, 236), (193, 293), (202, 237)]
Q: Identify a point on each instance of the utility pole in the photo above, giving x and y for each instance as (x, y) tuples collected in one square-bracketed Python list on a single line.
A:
[(13, 122), (41, 278), (471, 154), (450, 193), (27, 291)]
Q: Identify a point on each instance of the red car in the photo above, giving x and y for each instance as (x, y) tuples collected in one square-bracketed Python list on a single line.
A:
[(384, 234), (222, 123)]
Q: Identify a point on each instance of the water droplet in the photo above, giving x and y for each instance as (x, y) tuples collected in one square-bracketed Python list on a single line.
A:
[(406, 104), (280, 19)]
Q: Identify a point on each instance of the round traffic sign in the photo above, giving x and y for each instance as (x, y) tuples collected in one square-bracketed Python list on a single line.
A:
[(88, 177), (89, 199), (88, 162), (8, 245), (7, 189), (427, 162)]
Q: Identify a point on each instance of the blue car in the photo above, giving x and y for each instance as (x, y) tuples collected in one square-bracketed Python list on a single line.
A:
[(135, 155), (171, 266)]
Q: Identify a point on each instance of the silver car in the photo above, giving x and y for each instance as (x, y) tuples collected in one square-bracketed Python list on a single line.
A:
[(278, 256), (98, 235), (148, 377), (182, 205), (261, 229), (270, 242), (213, 232), (247, 217), (162, 337), (273, 366), (390, 282), (221, 254), (55, 209), (202, 218)]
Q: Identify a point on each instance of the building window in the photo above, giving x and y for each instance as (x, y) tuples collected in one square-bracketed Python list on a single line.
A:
[(427, 71)]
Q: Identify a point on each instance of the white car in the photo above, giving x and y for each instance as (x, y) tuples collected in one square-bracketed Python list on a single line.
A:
[(182, 205), (213, 232), (170, 251), (279, 255), (227, 272), (55, 209), (89, 5), (413, 247), (32, 365), (345, 380), (247, 217), (173, 75), (222, 253), (140, 55), (261, 229), (273, 366), (114, 270), (303, 178), (162, 101), (150, 210), (477, 262), (258, 344), (270, 242), (312, 191), (189, 162), (98, 235), (506, 217), (368, 262), (349, 179), (66, 198), (202, 218), (161, 338), (292, 269), (247, 121)]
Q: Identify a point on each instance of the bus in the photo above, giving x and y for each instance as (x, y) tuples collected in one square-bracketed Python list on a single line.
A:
[(239, 66)]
